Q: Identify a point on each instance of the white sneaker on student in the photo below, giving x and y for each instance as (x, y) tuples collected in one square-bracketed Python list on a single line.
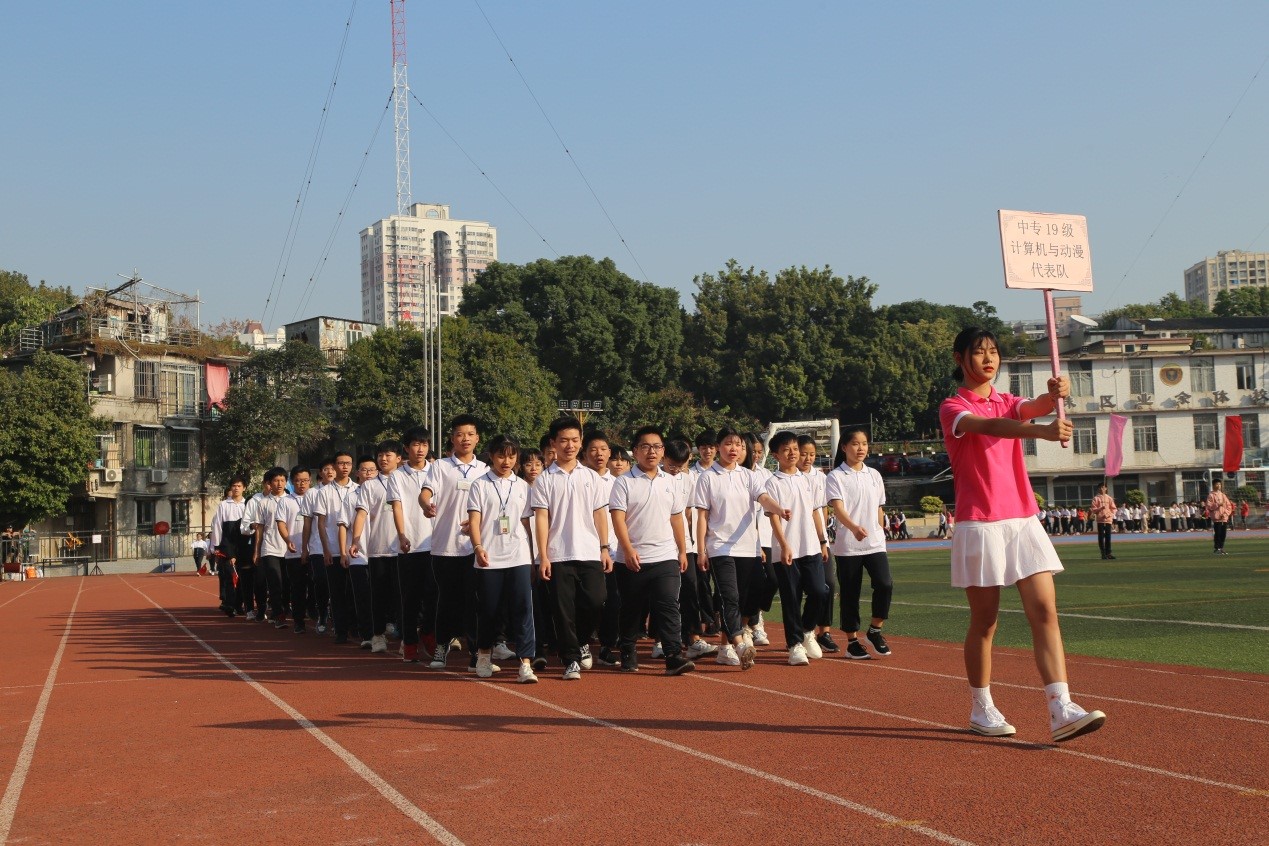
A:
[(572, 672), (484, 665), (378, 643), (811, 646), (527, 676), (748, 655), (747, 638), (1071, 721), (390, 630), (501, 652), (587, 661), (657, 651), (760, 635), (797, 656), (727, 656), (698, 649), (251, 615), (989, 722), (439, 658)]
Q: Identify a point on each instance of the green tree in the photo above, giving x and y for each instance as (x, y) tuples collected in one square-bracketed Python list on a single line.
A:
[(381, 387), (1242, 302), (604, 335), (1169, 306), (23, 304), (1246, 493), (278, 403), (677, 411), (47, 437), (931, 504), (1135, 496)]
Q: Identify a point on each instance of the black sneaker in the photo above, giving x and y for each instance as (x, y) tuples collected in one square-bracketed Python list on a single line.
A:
[(279, 623), (629, 662), (855, 650), (878, 642), (539, 664), (341, 638), (827, 643), (299, 628), (676, 665), (609, 658)]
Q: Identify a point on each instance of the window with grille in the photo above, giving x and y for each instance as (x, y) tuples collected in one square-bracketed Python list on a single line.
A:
[(180, 514), (1251, 431), (1202, 375), (145, 447), (1084, 437), (1245, 373), (1145, 433), (145, 515), (1206, 435), (1081, 376), (180, 449), (145, 380), (1141, 377), (1020, 379)]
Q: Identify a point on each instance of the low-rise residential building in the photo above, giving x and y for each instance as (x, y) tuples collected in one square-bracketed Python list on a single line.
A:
[(332, 336)]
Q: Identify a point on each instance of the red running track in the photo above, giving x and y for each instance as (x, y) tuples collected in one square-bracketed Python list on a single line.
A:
[(131, 711)]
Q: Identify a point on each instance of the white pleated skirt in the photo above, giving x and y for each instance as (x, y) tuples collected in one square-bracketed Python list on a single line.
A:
[(998, 553)]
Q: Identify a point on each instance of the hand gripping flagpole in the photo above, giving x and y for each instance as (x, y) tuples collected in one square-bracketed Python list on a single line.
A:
[(1051, 318)]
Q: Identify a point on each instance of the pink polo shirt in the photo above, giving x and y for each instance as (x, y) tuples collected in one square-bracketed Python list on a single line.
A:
[(989, 474)]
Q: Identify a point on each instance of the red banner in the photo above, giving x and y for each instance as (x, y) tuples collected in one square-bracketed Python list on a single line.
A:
[(1233, 443), (1115, 445)]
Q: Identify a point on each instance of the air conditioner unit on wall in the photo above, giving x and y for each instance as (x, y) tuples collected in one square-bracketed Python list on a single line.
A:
[(158, 477), (112, 475)]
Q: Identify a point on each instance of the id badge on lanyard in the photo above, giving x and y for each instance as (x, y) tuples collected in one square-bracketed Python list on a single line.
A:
[(504, 525)]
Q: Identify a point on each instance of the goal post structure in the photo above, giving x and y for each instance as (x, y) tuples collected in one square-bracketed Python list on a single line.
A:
[(826, 434)]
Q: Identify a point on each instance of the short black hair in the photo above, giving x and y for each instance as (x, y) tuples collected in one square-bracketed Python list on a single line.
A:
[(390, 446), (340, 455), (706, 439), (620, 452), (779, 439), (648, 430), (592, 436), (363, 459), (563, 424), (417, 434), (297, 470), (677, 450), (805, 441), (544, 442), (273, 472), (503, 444), (464, 420), (238, 480), (727, 432)]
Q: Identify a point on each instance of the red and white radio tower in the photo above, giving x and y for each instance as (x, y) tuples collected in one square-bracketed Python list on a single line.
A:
[(401, 106)]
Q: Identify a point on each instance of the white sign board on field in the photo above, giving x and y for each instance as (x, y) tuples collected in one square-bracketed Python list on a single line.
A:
[(1042, 250)]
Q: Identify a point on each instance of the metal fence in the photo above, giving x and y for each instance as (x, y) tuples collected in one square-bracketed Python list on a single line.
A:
[(74, 553)]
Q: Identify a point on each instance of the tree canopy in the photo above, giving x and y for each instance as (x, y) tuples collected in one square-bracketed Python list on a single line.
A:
[(1242, 302), (1170, 305), (23, 304)]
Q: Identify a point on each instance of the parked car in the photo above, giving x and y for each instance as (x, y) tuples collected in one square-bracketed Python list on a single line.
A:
[(893, 465), (919, 465)]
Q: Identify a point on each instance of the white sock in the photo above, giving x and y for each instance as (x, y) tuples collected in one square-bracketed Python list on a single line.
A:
[(1058, 694), (981, 696)]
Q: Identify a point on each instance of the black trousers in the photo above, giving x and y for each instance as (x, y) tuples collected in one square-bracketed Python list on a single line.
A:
[(414, 573), (578, 590), (765, 591), (455, 598), (655, 586), (319, 587), (297, 577), (689, 603), (804, 577), (361, 621), (1103, 538), (228, 595), (340, 590), (830, 581), (733, 577), (543, 617), (610, 617), (269, 582), (383, 592), (1218, 538), (244, 594), (850, 575), (511, 587)]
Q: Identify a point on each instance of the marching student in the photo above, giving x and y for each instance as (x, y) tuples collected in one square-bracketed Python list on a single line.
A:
[(416, 584), (1104, 509), (379, 512), (799, 547), (353, 556), (444, 500), (818, 480), (319, 585), (225, 542), (727, 538), (857, 496), (998, 541), (677, 454), (619, 462), (647, 506), (290, 526), (596, 450), (331, 502), (271, 547), (253, 591), (763, 591), (571, 531), (530, 467), (707, 600), (498, 508)]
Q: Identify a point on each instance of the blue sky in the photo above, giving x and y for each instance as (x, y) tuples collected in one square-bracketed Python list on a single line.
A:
[(875, 138)]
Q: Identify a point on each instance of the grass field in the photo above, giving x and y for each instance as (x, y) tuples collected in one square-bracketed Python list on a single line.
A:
[(1155, 592)]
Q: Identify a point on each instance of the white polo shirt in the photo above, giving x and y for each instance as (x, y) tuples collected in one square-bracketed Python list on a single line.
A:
[(450, 482), (686, 483), (648, 503), (729, 497), (418, 528), (795, 492), (228, 511), (496, 499), (311, 497), (861, 493), (266, 514), (570, 500), (375, 498), (347, 518), (291, 512), (331, 501), (606, 481), (764, 525), (251, 514)]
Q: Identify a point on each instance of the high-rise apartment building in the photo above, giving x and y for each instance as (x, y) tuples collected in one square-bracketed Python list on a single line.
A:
[(1229, 270), (414, 266)]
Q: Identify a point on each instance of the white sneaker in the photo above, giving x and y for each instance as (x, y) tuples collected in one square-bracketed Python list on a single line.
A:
[(484, 665), (587, 661), (321, 628), (727, 656), (657, 651), (797, 656), (501, 652), (439, 658), (760, 635), (989, 722), (527, 676), (378, 643), (698, 649), (1072, 721), (251, 615), (572, 672), (812, 646), (748, 655), (390, 630), (747, 638)]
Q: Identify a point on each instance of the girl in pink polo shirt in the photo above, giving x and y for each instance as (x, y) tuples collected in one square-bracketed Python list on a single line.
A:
[(998, 539)]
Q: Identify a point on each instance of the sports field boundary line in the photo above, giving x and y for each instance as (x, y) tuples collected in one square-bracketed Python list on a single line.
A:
[(27, 592), (888, 819), (1065, 614), (1241, 790), (22, 767), (358, 767)]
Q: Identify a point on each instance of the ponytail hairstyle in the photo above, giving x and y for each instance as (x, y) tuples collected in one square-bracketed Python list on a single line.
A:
[(844, 437), (967, 341)]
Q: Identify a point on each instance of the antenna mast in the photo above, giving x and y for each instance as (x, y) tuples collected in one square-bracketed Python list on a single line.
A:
[(400, 106)]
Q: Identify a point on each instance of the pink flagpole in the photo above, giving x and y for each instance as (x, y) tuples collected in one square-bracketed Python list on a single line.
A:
[(1051, 317)]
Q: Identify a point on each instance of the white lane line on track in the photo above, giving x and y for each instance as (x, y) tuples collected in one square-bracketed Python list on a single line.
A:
[(1064, 614), (386, 790), (39, 584), (888, 819), (882, 665), (12, 793), (1237, 788)]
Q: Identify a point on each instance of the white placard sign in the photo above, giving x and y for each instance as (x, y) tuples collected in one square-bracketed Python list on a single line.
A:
[(1043, 250)]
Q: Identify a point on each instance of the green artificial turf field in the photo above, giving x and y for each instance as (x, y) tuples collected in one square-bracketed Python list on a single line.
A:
[(1143, 606)]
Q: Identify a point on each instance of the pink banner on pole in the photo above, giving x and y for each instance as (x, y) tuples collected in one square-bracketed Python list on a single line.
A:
[(1233, 444), (1115, 445)]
